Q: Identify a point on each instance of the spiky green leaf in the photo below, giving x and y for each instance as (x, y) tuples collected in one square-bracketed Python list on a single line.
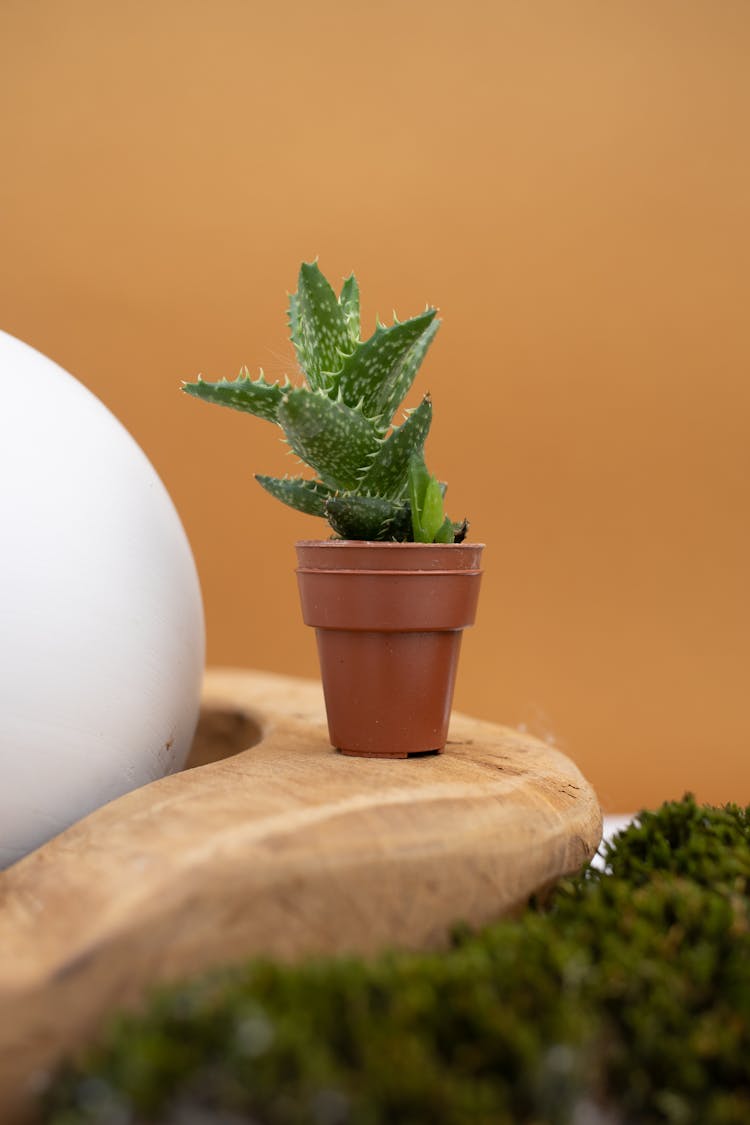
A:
[(255, 396), (349, 301), (388, 474), (331, 437), (304, 495), (396, 387), (320, 333), (382, 365), (368, 517), (302, 346)]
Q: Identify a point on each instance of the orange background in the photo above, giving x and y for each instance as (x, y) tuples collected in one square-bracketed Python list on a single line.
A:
[(570, 182)]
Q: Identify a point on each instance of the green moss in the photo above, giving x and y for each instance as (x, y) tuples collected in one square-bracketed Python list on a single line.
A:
[(627, 1000)]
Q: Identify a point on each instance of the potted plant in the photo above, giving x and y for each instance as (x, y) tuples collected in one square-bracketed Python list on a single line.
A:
[(391, 592)]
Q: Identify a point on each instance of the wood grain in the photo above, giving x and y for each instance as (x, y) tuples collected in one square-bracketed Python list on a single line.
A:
[(284, 847)]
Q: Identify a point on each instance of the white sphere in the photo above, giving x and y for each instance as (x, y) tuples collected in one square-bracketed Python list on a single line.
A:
[(101, 621)]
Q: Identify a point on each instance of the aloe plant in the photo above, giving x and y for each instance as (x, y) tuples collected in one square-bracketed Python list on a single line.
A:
[(371, 481)]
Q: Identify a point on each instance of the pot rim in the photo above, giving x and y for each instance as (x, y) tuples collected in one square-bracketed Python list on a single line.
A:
[(384, 544), (359, 571)]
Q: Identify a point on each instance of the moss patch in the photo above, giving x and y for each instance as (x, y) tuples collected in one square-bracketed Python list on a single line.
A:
[(627, 1000)]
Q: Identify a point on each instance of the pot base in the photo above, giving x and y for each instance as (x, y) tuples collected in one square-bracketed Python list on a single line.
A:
[(397, 754), (388, 695)]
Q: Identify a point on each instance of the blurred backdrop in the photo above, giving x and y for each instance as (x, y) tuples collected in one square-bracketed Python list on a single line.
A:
[(570, 183)]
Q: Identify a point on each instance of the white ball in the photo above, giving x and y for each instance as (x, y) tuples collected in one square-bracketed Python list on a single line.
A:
[(101, 621)]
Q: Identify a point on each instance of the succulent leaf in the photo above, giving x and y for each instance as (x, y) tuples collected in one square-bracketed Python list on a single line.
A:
[(368, 517), (331, 437), (446, 532), (349, 301), (255, 396), (320, 331), (375, 373), (305, 495), (396, 387), (389, 472), (302, 346), (419, 478), (431, 516), (429, 523)]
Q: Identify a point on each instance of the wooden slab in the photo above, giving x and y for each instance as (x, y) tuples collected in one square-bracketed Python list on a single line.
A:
[(274, 843)]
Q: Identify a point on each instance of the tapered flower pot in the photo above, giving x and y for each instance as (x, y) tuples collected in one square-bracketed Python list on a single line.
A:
[(388, 619)]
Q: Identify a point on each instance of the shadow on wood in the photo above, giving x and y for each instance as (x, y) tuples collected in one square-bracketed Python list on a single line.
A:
[(222, 732)]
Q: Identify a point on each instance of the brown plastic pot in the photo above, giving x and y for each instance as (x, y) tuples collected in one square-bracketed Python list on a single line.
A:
[(388, 618)]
